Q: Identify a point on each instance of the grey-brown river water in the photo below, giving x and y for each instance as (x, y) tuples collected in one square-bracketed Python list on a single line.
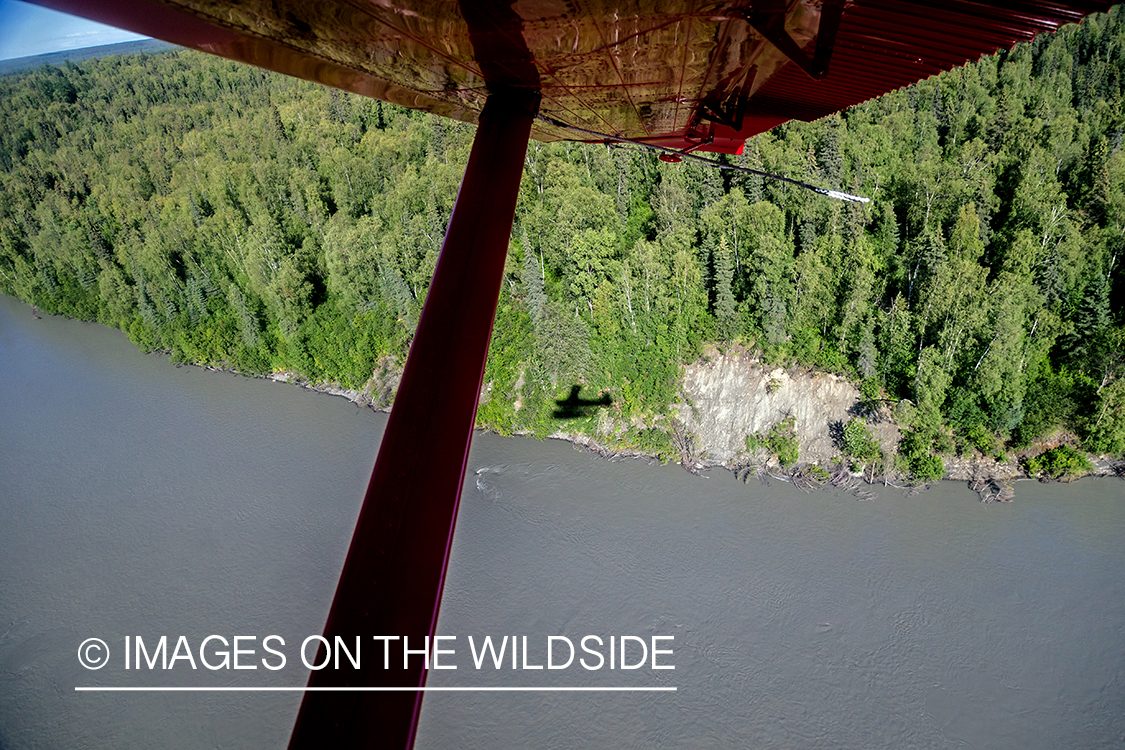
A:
[(139, 499)]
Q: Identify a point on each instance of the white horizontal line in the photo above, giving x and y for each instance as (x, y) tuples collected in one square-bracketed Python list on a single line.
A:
[(155, 689)]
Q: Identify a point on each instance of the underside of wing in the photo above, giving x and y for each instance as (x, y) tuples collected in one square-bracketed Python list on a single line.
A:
[(690, 75)]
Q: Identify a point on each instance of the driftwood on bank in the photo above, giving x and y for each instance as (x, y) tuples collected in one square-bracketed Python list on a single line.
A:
[(992, 490), (688, 446)]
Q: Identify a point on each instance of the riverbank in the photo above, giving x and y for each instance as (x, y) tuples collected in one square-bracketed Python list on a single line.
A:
[(808, 393), (728, 396)]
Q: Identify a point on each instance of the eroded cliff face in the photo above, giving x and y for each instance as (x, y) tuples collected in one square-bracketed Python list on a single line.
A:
[(732, 395)]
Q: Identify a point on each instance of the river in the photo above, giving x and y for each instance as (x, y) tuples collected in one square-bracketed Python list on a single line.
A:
[(138, 498)]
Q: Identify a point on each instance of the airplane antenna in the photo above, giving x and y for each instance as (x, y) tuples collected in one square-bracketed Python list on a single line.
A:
[(680, 155)]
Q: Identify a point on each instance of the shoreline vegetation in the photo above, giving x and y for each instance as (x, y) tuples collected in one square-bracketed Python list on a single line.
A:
[(969, 322), (991, 482)]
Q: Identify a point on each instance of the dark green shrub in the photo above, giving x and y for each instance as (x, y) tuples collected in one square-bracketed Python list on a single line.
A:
[(916, 459), (1057, 463), (859, 442), (980, 438), (781, 441)]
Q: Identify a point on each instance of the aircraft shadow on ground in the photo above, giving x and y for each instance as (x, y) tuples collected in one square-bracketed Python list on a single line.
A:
[(572, 406)]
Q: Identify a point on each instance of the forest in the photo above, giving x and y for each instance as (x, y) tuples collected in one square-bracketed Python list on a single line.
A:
[(241, 219)]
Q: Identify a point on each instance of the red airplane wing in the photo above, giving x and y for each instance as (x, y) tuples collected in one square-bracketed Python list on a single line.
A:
[(679, 74)]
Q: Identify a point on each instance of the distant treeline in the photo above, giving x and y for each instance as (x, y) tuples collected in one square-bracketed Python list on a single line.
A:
[(140, 46), (240, 218)]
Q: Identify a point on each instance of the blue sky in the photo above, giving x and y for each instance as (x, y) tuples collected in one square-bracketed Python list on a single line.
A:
[(30, 30)]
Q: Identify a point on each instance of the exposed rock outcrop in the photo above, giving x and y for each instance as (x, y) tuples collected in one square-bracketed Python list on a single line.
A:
[(732, 395)]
